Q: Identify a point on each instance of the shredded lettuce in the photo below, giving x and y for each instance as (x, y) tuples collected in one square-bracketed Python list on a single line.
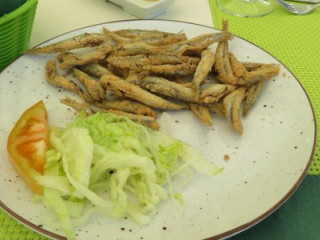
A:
[(110, 164)]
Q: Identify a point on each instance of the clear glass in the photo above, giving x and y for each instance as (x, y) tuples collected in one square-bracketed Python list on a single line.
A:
[(246, 8)]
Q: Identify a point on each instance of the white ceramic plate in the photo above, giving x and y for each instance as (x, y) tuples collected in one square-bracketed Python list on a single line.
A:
[(267, 163)]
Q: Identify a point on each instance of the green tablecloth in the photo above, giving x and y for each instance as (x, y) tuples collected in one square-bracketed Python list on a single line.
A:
[(294, 40)]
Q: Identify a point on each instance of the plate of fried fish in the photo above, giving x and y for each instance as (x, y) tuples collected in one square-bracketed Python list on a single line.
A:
[(239, 106)]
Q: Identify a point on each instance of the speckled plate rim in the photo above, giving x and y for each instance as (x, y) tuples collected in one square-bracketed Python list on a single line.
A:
[(225, 234)]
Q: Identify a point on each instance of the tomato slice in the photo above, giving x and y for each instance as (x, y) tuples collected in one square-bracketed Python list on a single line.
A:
[(27, 144)]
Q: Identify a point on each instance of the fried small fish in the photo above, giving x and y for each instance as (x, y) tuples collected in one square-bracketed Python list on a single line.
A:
[(202, 113), (127, 105), (252, 95), (167, 88), (128, 90), (213, 92), (93, 86), (69, 60), (232, 108), (203, 69), (80, 41)]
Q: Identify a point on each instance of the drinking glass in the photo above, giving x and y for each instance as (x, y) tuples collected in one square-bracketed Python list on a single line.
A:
[(246, 8)]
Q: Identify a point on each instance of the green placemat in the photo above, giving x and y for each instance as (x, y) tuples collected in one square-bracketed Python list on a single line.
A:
[(292, 39), (10, 229)]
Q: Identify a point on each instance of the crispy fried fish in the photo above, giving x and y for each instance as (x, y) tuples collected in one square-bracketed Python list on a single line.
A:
[(80, 41), (136, 62), (93, 86), (61, 81), (136, 48), (126, 89), (167, 88), (78, 106), (58, 80), (237, 67), (213, 92), (144, 34), (69, 60), (148, 121), (216, 108), (202, 113), (150, 39), (203, 69), (127, 105), (183, 69), (252, 95), (264, 72), (95, 70), (232, 108), (247, 75)]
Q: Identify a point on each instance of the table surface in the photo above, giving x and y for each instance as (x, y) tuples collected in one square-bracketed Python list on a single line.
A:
[(298, 217)]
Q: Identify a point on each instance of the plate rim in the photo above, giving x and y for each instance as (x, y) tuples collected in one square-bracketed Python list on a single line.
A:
[(226, 234)]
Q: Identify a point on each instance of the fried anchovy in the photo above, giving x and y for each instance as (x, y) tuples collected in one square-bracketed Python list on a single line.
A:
[(148, 121), (196, 45), (203, 69), (202, 113), (256, 72), (136, 62), (127, 106), (95, 70), (214, 92), (167, 88), (58, 80), (232, 108), (80, 41), (149, 39), (145, 34), (69, 60), (252, 95), (183, 69), (264, 72), (126, 89), (78, 106), (237, 67), (93, 86), (216, 108), (137, 48)]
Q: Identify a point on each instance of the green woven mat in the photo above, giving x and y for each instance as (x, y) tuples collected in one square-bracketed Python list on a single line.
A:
[(292, 39), (10, 229)]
